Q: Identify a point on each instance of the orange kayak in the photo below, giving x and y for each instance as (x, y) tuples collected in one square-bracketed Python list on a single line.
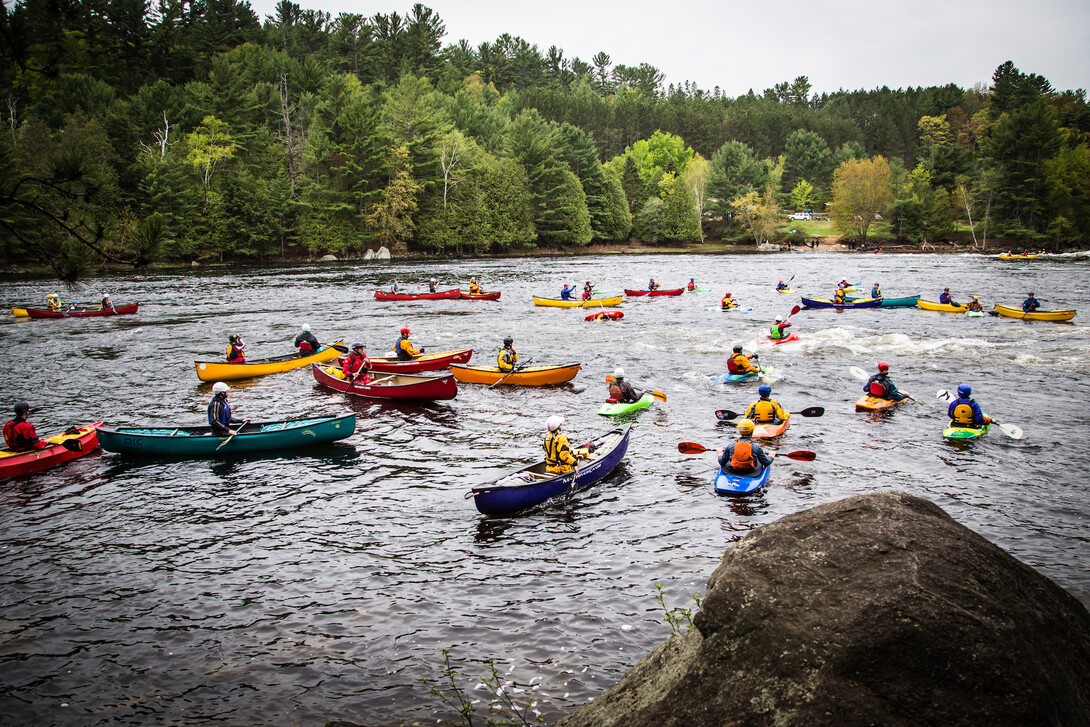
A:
[(767, 431), (873, 403)]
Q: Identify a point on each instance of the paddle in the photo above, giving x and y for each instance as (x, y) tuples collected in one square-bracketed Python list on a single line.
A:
[(660, 395), (232, 434), (1011, 430), (520, 367), (72, 445), (813, 411), (339, 347), (694, 448)]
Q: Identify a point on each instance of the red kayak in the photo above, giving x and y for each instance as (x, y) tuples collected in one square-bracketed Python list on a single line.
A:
[(82, 312), (423, 362), (674, 291), (481, 296), (604, 314), (778, 341), (13, 464), (446, 294), (389, 386)]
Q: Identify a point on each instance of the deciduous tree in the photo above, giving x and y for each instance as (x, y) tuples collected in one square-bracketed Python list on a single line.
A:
[(860, 192)]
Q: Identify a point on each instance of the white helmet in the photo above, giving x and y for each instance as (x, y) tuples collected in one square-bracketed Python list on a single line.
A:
[(306, 327), (219, 387), (105, 295), (779, 319), (553, 423), (618, 372), (434, 280)]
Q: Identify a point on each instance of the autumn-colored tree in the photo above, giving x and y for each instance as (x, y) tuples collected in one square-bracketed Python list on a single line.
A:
[(860, 191), (392, 218), (209, 144), (758, 214), (802, 196)]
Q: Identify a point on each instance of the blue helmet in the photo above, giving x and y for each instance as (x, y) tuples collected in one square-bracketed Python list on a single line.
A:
[(765, 390), (964, 391), (358, 345)]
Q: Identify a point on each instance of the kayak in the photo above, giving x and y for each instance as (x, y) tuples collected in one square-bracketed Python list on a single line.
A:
[(700, 290), (13, 464), (672, 291), (974, 314), (592, 303), (730, 484), (767, 431), (89, 312), (443, 295), (1037, 315), (765, 371), (420, 362), (168, 440), (738, 308), (905, 302), (524, 376), (873, 403), (532, 485), (956, 432), (480, 296), (223, 371), (389, 386), (778, 341), (787, 290), (604, 314), (941, 307), (826, 303), (613, 408)]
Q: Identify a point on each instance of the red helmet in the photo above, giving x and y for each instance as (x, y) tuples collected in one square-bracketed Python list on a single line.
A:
[(404, 331), (727, 295), (883, 366)]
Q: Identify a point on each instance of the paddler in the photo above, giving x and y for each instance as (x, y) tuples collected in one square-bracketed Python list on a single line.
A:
[(744, 456), (19, 433), (403, 347), (1030, 304), (728, 302), (843, 284), (53, 302), (778, 331), (507, 357), (946, 298), (474, 287), (692, 284), (876, 291), (393, 288), (588, 291), (838, 297), (974, 304), (622, 391), (766, 410), (356, 365), (433, 284), (739, 363), (559, 456), (306, 342), (781, 286), (964, 412), (880, 386), (106, 304), (565, 292), (652, 285), (219, 412), (235, 348)]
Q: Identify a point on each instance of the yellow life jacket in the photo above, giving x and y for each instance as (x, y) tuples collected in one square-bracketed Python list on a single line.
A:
[(506, 360), (963, 415), (558, 455), (761, 411)]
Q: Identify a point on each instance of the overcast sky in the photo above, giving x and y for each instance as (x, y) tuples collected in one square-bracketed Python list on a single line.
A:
[(850, 44)]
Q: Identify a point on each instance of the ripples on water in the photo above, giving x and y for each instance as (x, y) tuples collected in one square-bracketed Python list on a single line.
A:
[(320, 584)]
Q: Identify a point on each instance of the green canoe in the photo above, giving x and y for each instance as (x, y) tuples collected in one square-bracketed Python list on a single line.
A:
[(199, 441), (643, 402)]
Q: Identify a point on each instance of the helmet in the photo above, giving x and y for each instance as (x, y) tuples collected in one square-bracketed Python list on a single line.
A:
[(737, 349), (588, 282), (764, 390), (306, 327), (105, 295), (220, 388), (553, 423), (404, 331), (965, 391), (1031, 294), (435, 281), (692, 280), (357, 344), (779, 319), (745, 427), (883, 366), (53, 295), (508, 341), (975, 298), (234, 337), (727, 295), (21, 408), (781, 281), (473, 280), (618, 372), (946, 290)]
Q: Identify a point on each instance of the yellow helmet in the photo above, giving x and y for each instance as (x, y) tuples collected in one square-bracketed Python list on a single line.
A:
[(745, 427)]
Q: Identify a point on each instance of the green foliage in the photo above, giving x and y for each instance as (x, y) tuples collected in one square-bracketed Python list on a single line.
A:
[(392, 218), (676, 617), (502, 708), (802, 196), (807, 157), (647, 225), (861, 190), (680, 220)]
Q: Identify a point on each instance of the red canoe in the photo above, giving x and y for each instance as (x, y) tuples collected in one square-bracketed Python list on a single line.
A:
[(603, 314), (82, 312), (13, 464), (390, 386), (481, 296), (423, 362), (674, 291), (446, 294)]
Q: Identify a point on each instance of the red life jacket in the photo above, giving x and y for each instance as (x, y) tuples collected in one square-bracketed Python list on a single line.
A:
[(615, 392), (742, 459), (21, 437), (305, 347)]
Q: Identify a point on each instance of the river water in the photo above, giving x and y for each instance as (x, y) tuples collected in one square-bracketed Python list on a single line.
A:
[(300, 586)]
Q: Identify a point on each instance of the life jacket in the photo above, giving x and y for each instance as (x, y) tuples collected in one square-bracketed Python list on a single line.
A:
[(728, 303), (219, 411), (742, 459), (235, 354), (876, 292), (19, 436), (305, 347), (402, 354), (945, 299), (839, 297), (777, 330), (692, 285), (761, 411), (964, 415), (355, 364), (879, 388), (474, 289), (739, 363), (556, 447), (615, 392), (587, 295), (507, 359)]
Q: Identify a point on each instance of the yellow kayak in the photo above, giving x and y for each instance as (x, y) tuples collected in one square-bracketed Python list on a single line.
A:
[(941, 307), (592, 303), (223, 371), (1037, 315)]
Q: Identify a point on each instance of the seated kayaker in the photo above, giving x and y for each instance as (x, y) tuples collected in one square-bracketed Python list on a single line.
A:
[(880, 386), (964, 412), (106, 304), (743, 456), (622, 391), (766, 410), (507, 357), (433, 285), (692, 284), (559, 457), (739, 363), (652, 285), (306, 342), (356, 365), (838, 297), (403, 347), (235, 348), (19, 433), (728, 302), (219, 411), (876, 291), (781, 285), (1030, 304), (53, 302), (778, 331), (474, 287), (73, 306), (565, 292), (974, 304), (945, 298)]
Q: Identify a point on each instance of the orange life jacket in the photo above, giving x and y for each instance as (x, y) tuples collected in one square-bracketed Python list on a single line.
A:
[(742, 459)]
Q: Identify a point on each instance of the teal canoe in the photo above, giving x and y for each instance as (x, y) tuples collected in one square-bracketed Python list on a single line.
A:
[(613, 409), (906, 302), (166, 441)]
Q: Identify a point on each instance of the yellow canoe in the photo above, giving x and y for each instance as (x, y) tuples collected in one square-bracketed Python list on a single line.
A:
[(529, 376), (942, 307), (592, 303), (223, 371), (1017, 257), (1037, 315)]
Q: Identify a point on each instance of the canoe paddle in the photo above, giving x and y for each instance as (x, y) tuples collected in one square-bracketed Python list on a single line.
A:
[(813, 411), (520, 367), (1011, 430), (660, 395), (694, 448), (232, 434)]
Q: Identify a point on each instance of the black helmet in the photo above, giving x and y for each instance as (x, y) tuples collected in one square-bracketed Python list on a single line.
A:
[(21, 408), (508, 341), (737, 349)]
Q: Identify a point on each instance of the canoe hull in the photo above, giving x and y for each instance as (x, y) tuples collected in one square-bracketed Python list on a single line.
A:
[(480, 296), (613, 409), (729, 484), (592, 303), (530, 376), (442, 295), (604, 314), (1057, 316), (652, 293), (167, 441), (389, 386), (522, 490), (826, 303), (22, 463), (221, 371), (88, 313), (905, 302), (423, 362), (941, 307)]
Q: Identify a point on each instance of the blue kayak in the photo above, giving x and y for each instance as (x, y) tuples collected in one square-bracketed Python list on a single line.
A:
[(728, 484), (765, 371)]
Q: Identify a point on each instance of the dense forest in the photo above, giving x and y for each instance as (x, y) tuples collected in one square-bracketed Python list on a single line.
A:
[(192, 130)]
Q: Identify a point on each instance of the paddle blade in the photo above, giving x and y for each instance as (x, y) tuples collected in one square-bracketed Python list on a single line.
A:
[(794, 310), (724, 415), (858, 373), (610, 378), (944, 395), (813, 411), (802, 454), (1012, 431), (339, 347), (74, 445), (691, 448), (661, 396)]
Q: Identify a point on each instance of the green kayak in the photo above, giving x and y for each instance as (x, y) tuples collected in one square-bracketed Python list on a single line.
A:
[(608, 409), (952, 432)]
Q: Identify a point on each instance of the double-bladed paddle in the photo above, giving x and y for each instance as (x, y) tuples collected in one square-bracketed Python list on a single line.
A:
[(1011, 430), (661, 396), (813, 411), (694, 448)]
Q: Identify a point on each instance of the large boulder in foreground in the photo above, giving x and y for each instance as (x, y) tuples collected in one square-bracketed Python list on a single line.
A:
[(876, 610)]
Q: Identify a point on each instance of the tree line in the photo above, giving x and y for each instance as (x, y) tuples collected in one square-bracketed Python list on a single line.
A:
[(138, 132)]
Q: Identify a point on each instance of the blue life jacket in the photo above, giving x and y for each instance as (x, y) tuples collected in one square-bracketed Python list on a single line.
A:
[(219, 410)]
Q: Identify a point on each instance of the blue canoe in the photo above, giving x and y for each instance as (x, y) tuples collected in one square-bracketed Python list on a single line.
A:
[(532, 486), (167, 441), (728, 484), (826, 303)]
